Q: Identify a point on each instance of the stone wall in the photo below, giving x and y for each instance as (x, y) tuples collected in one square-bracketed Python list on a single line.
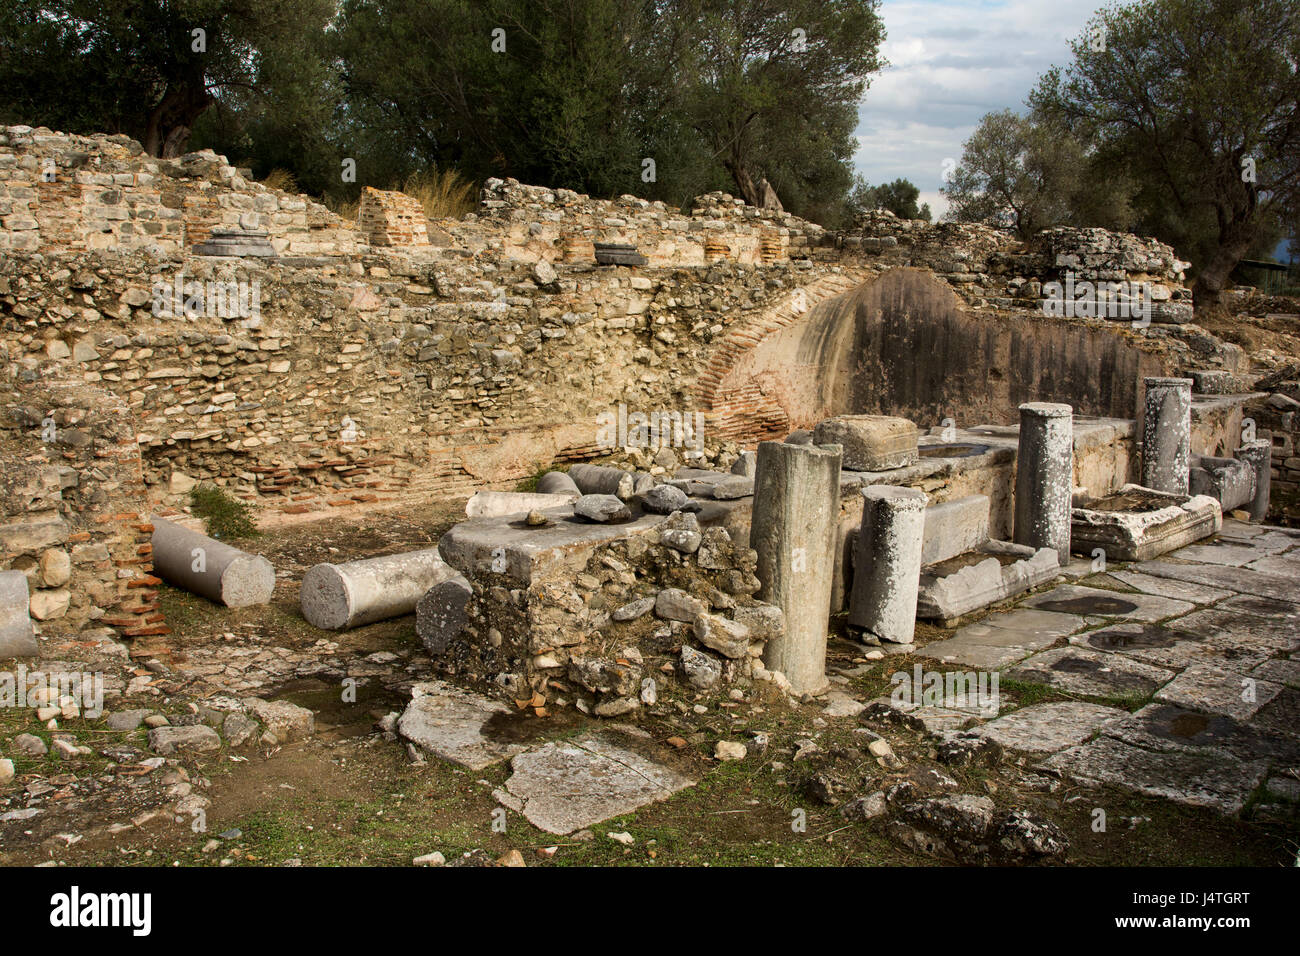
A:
[(70, 193), (663, 610), (370, 372), (73, 513)]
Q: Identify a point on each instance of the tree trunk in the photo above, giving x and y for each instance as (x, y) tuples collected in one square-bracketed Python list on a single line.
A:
[(744, 182), (170, 122), (1234, 243)]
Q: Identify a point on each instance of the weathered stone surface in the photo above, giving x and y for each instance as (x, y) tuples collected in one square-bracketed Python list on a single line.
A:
[(1204, 778), (343, 596), (1002, 639), (1079, 670), (455, 724), (566, 786), (17, 637), (701, 670), (870, 442), (793, 530), (664, 499), (602, 480), (1047, 728), (1217, 690), (887, 565), (728, 638), (197, 738), (674, 604), (494, 504), (286, 721), (440, 616), (209, 567), (125, 720), (1044, 477), (1128, 535), (954, 526), (602, 509), (634, 609), (1170, 588), (558, 483), (1096, 602)]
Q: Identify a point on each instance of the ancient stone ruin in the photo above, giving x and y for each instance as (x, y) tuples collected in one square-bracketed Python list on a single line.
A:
[(724, 482)]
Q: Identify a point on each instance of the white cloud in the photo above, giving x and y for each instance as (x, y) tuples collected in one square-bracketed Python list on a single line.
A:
[(952, 61)]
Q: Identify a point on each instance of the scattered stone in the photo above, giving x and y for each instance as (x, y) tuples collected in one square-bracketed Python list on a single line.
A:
[(727, 750), (726, 637), (602, 509), (702, 670), (167, 741), (564, 786), (31, 745), (287, 722), (664, 499)]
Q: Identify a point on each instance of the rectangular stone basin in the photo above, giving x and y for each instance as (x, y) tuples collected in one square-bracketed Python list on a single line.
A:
[(974, 579), (1138, 524)]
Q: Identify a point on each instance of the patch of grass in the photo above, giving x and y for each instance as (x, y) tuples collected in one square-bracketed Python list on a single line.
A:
[(282, 180), (444, 194), (225, 517)]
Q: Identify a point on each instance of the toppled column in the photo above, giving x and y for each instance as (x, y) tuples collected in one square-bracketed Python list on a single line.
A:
[(887, 563), (793, 530), (1257, 455), (495, 504), (17, 638), (342, 596), (1167, 435), (602, 480), (1045, 477), (208, 567), (557, 483), (440, 615)]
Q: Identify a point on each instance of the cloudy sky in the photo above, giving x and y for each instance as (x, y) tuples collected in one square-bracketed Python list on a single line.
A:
[(952, 61)]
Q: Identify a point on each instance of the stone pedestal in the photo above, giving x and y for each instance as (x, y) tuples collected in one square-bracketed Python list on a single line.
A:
[(1167, 435), (796, 511), (887, 563), (1257, 455), (1045, 477), (440, 615), (209, 567), (341, 596)]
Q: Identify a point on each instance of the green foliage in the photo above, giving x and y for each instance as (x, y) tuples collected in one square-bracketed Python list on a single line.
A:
[(719, 94), (899, 197), (149, 68), (1183, 97), (1028, 173), (224, 517)]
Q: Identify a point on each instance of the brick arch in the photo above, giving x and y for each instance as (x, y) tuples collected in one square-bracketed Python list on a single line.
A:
[(903, 342), (738, 407)]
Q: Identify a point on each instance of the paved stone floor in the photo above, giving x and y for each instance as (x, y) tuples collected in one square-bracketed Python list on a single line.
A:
[(1208, 635)]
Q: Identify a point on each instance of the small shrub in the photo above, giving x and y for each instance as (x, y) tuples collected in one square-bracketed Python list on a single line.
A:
[(282, 180), (443, 194), (225, 517)]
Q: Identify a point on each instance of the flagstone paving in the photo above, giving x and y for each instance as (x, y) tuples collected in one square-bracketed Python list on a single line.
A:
[(1209, 633)]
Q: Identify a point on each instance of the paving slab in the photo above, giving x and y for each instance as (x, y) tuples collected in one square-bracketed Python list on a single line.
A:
[(1168, 727), (457, 725), (1047, 728), (1262, 583), (1205, 778), (1281, 715), (1228, 555), (1280, 672), (568, 785), (1077, 599), (1277, 564), (1081, 670), (1245, 629), (1216, 690), (1170, 588), (1003, 638), (1166, 646)]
